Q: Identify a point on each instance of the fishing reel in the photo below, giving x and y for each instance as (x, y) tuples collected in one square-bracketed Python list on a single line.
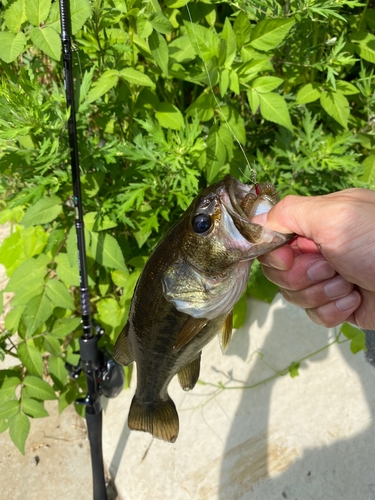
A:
[(104, 376)]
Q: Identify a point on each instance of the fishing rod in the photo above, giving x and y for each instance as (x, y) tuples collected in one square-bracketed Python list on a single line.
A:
[(103, 375)]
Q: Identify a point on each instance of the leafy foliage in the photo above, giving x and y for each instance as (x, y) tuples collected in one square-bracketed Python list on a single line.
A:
[(294, 82)]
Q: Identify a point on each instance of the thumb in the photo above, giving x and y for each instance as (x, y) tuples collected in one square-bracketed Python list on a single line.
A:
[(293, 214)]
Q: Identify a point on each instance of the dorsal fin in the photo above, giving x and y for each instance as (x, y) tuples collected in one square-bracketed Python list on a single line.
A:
[(226, 334), (122, 353), (190, 329), (189, 375)]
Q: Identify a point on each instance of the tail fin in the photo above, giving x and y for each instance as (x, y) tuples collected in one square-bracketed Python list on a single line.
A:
[(159, 419)]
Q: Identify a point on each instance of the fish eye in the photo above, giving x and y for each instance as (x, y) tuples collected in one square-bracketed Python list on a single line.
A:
[(201, 223)]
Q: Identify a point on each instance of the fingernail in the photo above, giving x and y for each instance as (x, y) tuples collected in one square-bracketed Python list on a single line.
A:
[(320, 271), (272, 261), (337, 287), (260, 219), (348, 302)]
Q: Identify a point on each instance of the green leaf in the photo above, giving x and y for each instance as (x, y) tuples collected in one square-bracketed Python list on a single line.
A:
[(159, 50), (346, 88), (235, 121), (19, 430), (110, 313), (31, 270), (308, 93), (31, 358), (369, 171), (239, 312), (68, 274), (47, 40), (104, 83), (356, 336), (259, 287), (52, 345), (15, 16), (64, 327), (365, 45), (169, 116), (242, 29), (254, 100), (38, 388), (126, 281), (45, 210), (93, 222), (224, 82), (12, 319), (11, 45), (3, 425), (135, 77), (37, 311), (57, 370), (205, 41), (144, 27), (67, 396), (228, 35), (266, 84), (203, 106), (181, 50), (337, 106), (268, 34), (33, 408), (273, 108), (9, 409), (216, 155), (26, 293), (106, 251), (9, 380), (80, 11), (293, 369), (234, 83), (37, 11), (59, 294), (160, 23)]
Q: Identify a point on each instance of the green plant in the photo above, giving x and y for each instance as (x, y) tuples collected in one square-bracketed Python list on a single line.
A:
[(294, 81)]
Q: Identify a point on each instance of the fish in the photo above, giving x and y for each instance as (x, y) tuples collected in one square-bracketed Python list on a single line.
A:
[(185, 295)]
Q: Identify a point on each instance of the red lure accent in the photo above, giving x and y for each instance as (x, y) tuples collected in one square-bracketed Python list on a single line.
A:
[(257, 189)]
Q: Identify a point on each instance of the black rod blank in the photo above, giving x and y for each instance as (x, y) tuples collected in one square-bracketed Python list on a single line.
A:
[(69, 89), (88, 341)]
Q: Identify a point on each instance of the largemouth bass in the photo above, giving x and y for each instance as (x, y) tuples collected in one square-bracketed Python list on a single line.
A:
[(186, 293)]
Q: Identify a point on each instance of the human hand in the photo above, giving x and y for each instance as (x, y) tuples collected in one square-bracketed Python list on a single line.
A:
[(329, 268)]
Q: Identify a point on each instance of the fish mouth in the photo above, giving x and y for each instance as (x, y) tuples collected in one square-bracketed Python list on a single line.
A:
[(261, 237)]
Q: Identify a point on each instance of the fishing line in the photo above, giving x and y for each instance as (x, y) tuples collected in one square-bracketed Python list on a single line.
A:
[(252, 171)]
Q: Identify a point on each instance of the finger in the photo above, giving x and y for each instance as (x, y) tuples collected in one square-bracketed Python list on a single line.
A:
[(307, 270), (319, 294), (334, 313), (364, 316), (282, 258)]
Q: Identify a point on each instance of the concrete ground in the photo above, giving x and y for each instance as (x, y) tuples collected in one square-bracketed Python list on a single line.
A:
[(308, 437), (302, 438)]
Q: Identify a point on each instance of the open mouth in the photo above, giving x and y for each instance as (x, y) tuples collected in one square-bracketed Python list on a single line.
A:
[(243, 204)]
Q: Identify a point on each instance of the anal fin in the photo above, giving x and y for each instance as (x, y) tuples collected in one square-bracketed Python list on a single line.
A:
[(189, 375), (122, 353), (190, 329), (159, 419)]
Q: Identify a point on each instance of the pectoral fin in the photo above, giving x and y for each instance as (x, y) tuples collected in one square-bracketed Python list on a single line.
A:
[(226, 334), (189, 375), (190, 329), (122, 353)]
